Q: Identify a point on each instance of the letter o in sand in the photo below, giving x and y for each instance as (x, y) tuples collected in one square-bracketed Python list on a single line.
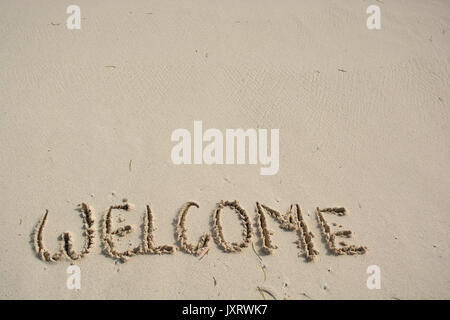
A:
[(217, 227)]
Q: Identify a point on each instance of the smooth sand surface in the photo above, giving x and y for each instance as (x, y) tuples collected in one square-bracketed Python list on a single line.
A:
[(374, 139)]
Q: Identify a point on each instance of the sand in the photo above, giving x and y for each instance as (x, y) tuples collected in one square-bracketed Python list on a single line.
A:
[(86, 116)]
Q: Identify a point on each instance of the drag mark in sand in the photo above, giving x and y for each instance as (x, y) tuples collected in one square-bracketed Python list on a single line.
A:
[(270, 292)]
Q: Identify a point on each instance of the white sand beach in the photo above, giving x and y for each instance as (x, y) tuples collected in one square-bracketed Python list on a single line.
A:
[(86, 116)]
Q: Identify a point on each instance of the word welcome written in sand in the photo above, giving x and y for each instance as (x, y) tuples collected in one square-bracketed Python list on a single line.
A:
[(291, 221)]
